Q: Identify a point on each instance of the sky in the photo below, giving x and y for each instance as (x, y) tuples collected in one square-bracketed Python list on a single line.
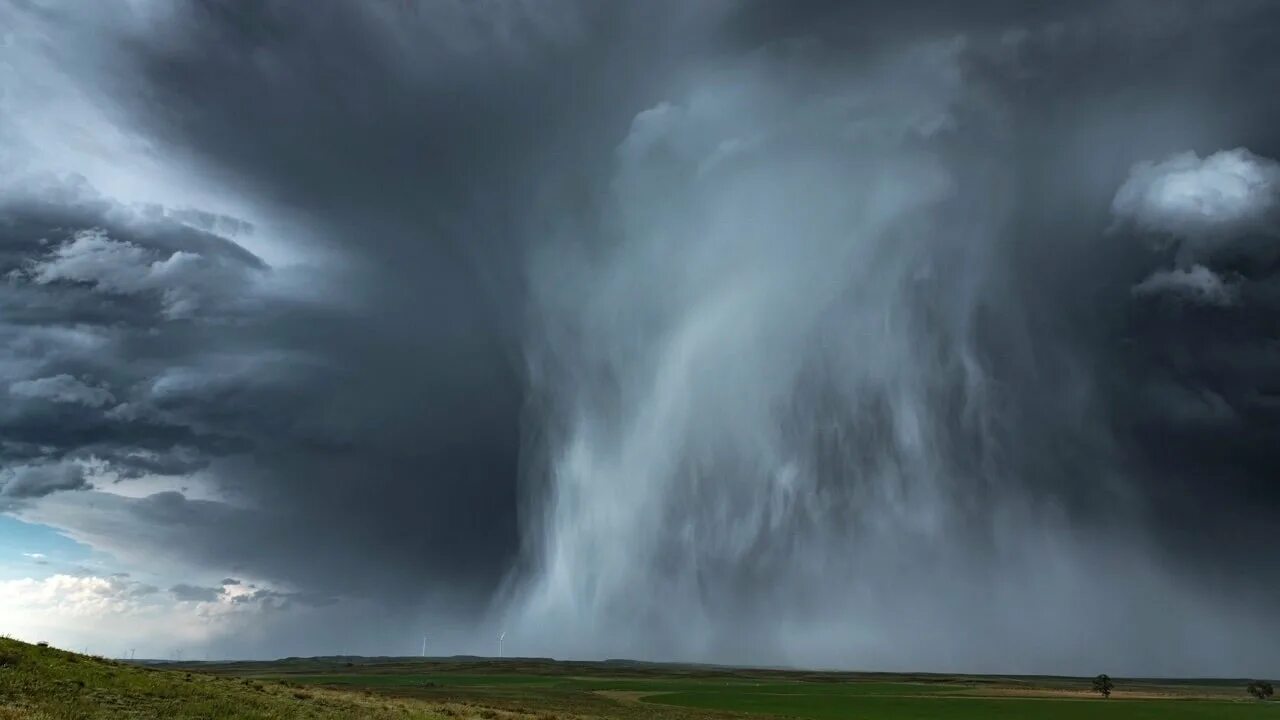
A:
[(916, 336)]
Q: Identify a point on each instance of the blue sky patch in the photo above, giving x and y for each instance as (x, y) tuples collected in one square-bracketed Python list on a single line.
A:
[(33, 550)]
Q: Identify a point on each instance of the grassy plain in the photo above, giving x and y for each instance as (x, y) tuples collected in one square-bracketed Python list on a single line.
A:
[(45, 683), (642, 690)]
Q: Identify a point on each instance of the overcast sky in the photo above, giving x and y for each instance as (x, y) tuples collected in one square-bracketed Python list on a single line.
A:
[(885, 336)]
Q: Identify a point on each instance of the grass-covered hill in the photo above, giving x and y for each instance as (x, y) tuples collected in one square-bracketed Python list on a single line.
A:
[(43, 683)]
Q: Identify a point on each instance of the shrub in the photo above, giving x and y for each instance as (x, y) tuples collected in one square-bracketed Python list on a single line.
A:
[(1260, 689)]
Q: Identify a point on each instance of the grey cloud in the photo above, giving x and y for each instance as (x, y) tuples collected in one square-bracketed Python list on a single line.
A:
[(276, 600), (132, 462), (62, 388), (38, 480), (1189, 406), (122, 586), (1196, 284), (194, 593)]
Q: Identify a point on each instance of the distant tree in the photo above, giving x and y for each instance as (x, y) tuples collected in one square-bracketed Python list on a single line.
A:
[(1103, 685), (1260, 689)]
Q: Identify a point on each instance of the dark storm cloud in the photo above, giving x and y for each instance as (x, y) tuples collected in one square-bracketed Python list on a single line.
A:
[(92, 352), (1103, 332), (144, 346), (1201, 344), (403, 445)]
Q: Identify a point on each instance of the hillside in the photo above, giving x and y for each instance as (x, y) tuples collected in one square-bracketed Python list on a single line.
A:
[(42, 683)]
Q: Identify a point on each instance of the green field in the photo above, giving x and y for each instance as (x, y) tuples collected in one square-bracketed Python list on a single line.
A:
[(904, 706), (45, 683), (621, 689)]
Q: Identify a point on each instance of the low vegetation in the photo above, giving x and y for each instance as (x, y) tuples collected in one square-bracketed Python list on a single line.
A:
[(1260, 689)]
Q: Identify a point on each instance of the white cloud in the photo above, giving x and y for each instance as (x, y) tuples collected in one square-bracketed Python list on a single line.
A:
[(187, 282), (76, 596), (92, 257), (63, 389), (1201, 200), (109, 613), (1197, 284)]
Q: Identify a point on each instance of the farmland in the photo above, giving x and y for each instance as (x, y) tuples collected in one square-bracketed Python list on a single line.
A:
[(622, 689)]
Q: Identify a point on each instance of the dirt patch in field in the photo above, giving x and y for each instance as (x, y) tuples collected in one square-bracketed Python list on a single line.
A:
[(630, 695)]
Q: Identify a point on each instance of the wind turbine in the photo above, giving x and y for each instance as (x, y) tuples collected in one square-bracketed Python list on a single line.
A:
[(424, 645), (501, 637)]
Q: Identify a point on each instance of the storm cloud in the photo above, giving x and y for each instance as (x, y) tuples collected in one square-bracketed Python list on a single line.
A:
[(32, 481), (934, 338)]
